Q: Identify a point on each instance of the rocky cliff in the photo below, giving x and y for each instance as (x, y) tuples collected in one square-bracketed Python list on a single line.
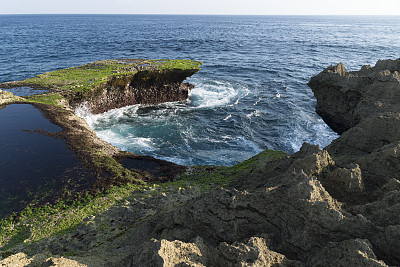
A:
[(109, 84), (345, 98), (144, 87), (339, 206)]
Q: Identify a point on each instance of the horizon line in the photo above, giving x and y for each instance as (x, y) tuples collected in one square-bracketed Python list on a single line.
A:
[(195, 14)]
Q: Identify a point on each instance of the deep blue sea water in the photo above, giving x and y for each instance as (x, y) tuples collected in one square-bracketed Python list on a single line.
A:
[(250, 95)]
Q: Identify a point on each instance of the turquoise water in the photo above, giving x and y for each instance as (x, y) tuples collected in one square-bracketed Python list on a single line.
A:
[(250, 95)]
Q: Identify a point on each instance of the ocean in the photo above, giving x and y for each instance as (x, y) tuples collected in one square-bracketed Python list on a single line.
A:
[(251, 93)]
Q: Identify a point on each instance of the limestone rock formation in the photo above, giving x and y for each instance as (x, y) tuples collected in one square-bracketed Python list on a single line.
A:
[(144, 87), (339, 206), (108, 84), (7, 97), (345, 98)]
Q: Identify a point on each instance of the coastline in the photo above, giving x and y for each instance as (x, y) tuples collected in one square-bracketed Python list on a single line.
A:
[(335, 206), (67, 89)]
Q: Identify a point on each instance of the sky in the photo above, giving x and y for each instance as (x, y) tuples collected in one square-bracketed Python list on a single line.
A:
[(234, 7)]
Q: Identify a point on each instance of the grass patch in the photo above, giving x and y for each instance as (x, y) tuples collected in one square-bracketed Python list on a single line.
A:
[(50, 99), (35, 223), (116, 169), (81, 77)]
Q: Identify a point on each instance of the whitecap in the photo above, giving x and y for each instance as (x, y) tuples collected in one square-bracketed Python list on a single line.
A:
[(228, 117), (255, 113)]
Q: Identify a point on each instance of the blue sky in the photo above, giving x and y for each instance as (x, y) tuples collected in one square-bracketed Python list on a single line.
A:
[(241, 7)]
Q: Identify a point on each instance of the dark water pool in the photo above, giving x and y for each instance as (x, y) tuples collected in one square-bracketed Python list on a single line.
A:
[(25, 91), (33, 164)]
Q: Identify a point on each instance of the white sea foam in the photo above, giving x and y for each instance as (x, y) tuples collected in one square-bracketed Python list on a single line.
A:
[(183, 133), (215, 93), (228, 117), (277, 95), (303, 128), (243, 142), (255, 113), (258, 101)]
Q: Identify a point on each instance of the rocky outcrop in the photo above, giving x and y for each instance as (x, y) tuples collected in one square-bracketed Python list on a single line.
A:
[(144, 87), (101, 85), (7, 98), (333, 207), (345, 98), (108, 84)]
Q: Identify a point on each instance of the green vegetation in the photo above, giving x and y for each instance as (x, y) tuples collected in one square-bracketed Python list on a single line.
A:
[(36, 223), (207, 177), (113, 167), (82, 78), (50, 99), (77, 83), (89, 76), (182, 64)]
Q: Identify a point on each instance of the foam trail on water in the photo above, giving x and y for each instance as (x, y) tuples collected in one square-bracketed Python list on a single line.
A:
[(214, 94)]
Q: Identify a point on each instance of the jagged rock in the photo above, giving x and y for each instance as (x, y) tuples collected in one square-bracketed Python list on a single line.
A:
[(292, 213), (108, 84), (387, 245), (384, 212), (345, 98), (198, 253), (313, 164), (345, 184), (355, 252), (145, 87), (254, 253), (371, 133)]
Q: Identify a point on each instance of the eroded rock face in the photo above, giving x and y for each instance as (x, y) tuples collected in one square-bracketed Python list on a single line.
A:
[(353, 252), (345, 98), (144, 87)]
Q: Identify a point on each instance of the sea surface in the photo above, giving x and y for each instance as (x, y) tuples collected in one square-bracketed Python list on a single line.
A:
[(251, 93)]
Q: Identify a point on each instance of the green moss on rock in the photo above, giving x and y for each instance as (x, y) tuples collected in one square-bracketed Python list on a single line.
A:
[(216, 176), (49, 99), (36, 223), (89, 76)]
